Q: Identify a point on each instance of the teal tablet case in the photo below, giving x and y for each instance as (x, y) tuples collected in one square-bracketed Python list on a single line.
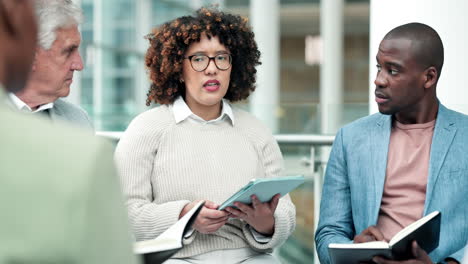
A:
[(265, 189)]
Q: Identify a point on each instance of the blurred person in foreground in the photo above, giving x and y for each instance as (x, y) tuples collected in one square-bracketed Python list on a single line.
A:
[(59, 204), (196, 146), (389, 169), (56, 58)]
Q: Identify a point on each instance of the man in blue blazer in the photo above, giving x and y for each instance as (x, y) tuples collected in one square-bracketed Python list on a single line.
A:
[(56, 59), (391, 168)]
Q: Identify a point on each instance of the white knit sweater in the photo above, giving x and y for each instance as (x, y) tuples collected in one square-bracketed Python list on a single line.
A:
[(164, 165)]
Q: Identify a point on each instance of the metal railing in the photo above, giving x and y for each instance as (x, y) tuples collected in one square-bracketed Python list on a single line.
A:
[(312, 141)]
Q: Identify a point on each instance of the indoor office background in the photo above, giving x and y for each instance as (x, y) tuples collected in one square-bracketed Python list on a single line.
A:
[(113, 85)]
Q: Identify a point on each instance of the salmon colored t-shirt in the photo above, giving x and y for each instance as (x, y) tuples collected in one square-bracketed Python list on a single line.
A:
[(406, 177)]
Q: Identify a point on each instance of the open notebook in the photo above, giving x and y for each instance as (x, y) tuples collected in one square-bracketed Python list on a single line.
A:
[(158, 250), (425, 231)]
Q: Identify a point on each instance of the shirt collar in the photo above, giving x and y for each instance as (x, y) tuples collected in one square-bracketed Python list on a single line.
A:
[(22, 106), (182, 112)]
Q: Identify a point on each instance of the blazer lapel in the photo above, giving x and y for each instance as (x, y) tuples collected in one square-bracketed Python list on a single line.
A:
[(444, 133), (380, 138), (56, 113)]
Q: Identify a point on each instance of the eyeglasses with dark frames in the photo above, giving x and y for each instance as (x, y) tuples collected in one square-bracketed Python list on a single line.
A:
[(200, 62)]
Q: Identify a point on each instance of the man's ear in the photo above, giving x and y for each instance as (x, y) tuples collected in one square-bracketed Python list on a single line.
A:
[(430, 77), (34, 63)]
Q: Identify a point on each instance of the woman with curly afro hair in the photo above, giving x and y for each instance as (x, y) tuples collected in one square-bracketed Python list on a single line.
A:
[(196, 146)]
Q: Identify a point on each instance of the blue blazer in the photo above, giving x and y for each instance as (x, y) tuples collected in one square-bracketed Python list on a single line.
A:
[(355, 176)]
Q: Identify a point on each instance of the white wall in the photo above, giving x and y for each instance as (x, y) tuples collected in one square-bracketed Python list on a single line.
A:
[(264, 102), (449, 19), (331, 69)]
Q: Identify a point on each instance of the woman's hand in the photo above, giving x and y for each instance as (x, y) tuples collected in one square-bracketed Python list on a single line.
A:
[(259, 215), (209, 220)]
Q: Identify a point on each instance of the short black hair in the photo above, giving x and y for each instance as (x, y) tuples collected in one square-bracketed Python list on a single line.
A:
[(427, 47)]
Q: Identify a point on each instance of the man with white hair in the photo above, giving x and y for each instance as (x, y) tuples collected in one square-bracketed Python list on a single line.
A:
[(57, 57)]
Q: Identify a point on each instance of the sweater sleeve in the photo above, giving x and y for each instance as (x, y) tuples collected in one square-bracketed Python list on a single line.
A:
[(134, 157), (285, 214)]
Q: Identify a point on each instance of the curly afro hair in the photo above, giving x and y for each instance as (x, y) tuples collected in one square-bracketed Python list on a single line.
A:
[(169, 42)]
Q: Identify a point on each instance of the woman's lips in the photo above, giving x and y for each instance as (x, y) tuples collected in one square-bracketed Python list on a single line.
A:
[(211, 85)]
